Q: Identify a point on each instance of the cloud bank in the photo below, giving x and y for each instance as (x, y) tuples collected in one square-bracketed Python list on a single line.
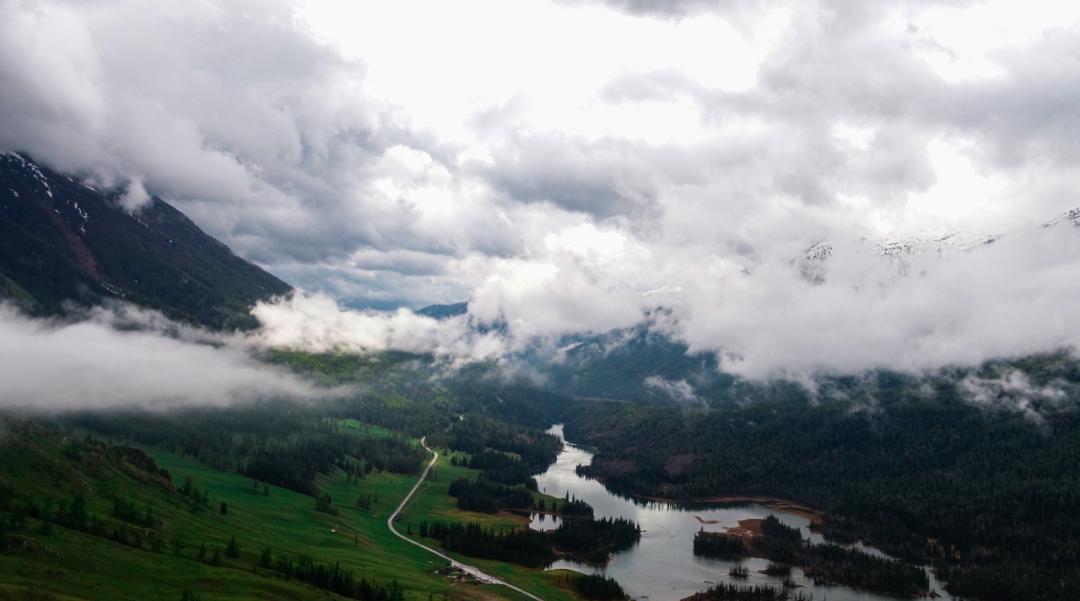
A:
[(1006, 299), (923, 307), (569, 166), (102, 361), (314, 322)]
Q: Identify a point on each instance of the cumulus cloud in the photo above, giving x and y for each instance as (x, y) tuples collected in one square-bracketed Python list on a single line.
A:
[(221, 108), (657, 154), (602, 179), (315, 322), (129, 357), (135, 197), (1002, 299)]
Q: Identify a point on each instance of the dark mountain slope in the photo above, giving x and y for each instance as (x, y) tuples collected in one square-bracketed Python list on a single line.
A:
[(444, 311), (62, 240), (636, 364)]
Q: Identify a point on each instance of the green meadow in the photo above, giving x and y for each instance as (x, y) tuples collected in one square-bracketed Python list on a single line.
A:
[(432, 502), (59, 564)]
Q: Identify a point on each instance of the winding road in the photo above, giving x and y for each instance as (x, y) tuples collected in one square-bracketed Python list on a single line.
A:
[(475, 572)]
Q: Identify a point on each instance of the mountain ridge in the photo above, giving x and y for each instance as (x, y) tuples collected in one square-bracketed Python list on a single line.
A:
[(444, 311), (63, 240)]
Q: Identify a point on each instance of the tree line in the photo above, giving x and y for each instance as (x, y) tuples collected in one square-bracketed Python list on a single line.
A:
[(824, 563), (591, 540), (278, 444), (478, 435), (329, 577), (988, 497), (487, 497), (596, 587), (722, 591)]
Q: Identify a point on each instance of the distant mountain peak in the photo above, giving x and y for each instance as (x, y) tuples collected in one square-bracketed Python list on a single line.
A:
[(902, 252), (1070, 216), (444, 311)]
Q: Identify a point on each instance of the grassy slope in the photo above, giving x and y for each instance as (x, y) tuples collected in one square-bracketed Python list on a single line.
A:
[(70, 564), (362, 429), (432, 502), (85, 567)]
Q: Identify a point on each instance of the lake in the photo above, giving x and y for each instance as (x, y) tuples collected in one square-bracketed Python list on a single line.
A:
[(663, 567)]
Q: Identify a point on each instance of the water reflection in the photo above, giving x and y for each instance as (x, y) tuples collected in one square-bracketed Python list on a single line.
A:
[(663, 567)]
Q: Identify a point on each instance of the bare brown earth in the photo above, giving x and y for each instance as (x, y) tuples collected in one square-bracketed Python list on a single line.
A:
[(521, 518), (79, 248), (747, 530)]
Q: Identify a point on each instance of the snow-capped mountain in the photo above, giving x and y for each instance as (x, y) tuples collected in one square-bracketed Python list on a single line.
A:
[(1071, 216), (904, 254)]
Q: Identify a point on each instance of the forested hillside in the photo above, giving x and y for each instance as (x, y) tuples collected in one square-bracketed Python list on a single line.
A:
[(990, 494), (90, 519), (269, 500)]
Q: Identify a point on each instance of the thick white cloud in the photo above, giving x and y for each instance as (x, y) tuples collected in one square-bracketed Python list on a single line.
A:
[(570, 165), (105, 361), (317, 323), (1005, 299)]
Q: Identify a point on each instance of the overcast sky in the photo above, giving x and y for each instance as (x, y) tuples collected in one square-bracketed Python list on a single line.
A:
[(568, 165)]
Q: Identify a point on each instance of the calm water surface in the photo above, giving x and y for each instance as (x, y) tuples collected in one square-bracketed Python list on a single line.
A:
[(663, 567)]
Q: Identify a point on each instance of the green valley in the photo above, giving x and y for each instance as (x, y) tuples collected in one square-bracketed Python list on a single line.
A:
[(83, 518)]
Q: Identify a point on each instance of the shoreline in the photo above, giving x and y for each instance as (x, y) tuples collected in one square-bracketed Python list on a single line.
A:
[(816, 517)]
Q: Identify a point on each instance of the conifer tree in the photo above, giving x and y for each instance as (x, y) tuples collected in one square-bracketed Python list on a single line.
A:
[(77, 511)]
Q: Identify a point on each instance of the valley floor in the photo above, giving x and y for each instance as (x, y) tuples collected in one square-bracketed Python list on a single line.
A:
[(50, 562)]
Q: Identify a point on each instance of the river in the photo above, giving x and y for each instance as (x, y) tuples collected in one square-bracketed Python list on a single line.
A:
[(663, 567)]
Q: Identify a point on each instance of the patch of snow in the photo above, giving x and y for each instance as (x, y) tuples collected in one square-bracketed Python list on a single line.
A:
[(35, 171), (903, 253), (1072, 215)]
